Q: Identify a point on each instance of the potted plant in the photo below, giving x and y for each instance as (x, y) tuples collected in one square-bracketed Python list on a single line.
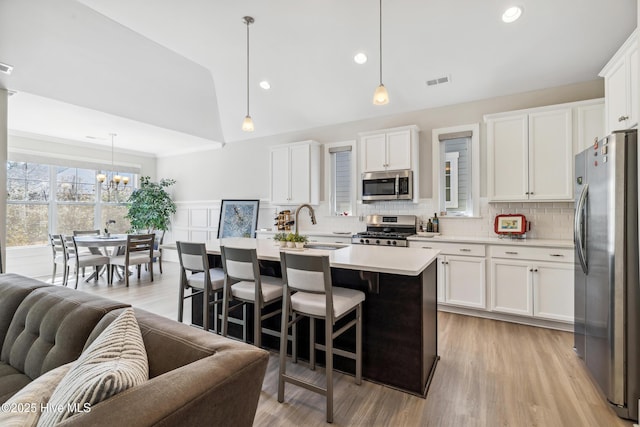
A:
[(281, 238), (290, 242), (299, 240), (150, 206)]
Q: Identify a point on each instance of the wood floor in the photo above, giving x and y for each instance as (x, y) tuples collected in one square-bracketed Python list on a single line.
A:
[(490, 374)]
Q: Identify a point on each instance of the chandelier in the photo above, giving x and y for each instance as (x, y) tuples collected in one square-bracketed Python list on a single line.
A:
[(114, 183)]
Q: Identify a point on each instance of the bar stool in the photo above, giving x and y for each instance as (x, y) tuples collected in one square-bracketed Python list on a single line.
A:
[(243, 283), (316, 298), (201, 280)]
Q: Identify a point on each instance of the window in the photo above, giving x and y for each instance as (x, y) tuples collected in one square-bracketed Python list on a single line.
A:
[(340, 170), (45, 199), (456, 174)]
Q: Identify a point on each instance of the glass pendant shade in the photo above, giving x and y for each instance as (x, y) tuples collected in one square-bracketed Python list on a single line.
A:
[(101, 177), (247, 124), (380, 97)]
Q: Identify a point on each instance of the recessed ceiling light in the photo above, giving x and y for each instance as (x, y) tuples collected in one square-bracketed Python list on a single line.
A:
[(6, 68), (360, 58), (265, 85), (511, 14)]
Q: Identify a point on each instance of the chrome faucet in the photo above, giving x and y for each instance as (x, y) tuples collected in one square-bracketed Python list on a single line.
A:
[(312, 214)]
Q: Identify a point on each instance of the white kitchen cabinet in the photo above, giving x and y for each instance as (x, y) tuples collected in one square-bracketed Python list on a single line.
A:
[(621, 86), (295, 173), (589, 121), (389, 149), (530, 155), (461, 273), (533, 282)]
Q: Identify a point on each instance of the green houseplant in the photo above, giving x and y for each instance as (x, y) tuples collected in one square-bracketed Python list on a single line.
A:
[(150, 206)]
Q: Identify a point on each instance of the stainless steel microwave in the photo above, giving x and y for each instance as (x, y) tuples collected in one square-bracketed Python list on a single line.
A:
[(387, 185)]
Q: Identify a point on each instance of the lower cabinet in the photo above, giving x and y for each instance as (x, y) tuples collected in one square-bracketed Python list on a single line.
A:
[(461, 278), (532, 287)]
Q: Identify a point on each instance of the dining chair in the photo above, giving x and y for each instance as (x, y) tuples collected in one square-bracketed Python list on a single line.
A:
[(157, 250), (138, 251), (196, 275), (82, 260), (59, 252), (309, 292), (91, 249), (244, 284)]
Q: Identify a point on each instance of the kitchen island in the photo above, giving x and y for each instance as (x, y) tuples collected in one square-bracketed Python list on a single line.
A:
[(399, 313)]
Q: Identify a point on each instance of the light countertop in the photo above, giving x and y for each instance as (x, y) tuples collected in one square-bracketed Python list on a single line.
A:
[(380, 259), (549, 243)]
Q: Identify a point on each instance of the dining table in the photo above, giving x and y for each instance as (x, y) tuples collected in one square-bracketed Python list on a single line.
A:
[(104, 242)]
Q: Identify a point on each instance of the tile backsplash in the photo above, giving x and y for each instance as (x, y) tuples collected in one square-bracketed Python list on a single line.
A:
[(548, 220)]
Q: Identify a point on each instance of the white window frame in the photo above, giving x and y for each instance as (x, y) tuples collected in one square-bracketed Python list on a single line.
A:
[(329, 183), (438, 158)]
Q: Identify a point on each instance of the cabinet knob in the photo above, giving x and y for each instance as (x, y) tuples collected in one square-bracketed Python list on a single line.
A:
[(623, 118), (531, 193), (535, 270), (526, 192)]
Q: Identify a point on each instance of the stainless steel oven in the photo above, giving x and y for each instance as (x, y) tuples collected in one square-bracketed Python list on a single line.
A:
[(387, 185)]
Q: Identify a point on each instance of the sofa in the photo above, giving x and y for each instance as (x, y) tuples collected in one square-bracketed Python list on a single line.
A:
[(195, 377)]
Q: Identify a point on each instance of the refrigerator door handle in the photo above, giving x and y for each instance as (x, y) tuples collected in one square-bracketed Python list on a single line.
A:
[(578, 227)]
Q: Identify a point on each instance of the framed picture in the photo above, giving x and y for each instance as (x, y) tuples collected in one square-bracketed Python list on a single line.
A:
[(238, 218), (510, 224)]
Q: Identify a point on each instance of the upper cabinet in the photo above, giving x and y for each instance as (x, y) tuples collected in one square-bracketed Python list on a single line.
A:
[(589, 124), (295, 173), (530, 155), (390, 149), (621, 86)]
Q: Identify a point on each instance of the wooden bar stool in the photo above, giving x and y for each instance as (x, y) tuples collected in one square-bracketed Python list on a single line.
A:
[(310, 278), (243, 283), (200, 279)]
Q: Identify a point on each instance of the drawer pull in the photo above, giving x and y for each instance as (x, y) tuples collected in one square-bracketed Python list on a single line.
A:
[(556, 255), (427, 247), (465, 250), (511, 252)]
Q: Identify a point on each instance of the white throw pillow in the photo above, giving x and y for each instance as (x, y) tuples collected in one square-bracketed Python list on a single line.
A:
[(114, 362), (23, 408)]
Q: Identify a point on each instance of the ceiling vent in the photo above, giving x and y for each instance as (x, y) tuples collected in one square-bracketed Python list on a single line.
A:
[(6, 68), (438, 81)]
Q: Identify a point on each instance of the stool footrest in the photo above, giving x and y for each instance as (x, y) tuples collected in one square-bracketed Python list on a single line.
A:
[(303, 384)]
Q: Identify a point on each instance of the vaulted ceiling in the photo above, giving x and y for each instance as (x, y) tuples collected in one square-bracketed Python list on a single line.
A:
[(170, 76)]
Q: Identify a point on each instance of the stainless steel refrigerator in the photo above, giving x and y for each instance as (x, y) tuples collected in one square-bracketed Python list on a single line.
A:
[(607, 305)]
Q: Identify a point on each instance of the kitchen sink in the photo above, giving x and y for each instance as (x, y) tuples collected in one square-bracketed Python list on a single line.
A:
[(325, 246)]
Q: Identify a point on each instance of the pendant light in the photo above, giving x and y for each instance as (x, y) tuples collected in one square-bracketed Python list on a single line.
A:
[(115, 181), (247, 123), (380, 96)]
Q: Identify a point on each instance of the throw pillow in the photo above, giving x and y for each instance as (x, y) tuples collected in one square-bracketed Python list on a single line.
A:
[(114, 362), (23, 409)]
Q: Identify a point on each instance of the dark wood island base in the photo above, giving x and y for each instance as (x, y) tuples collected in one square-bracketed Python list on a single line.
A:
[(400, 333)]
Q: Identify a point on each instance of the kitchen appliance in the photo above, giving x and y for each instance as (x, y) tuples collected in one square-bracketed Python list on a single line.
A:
[(387, 185), (607, 295), (387, 230)]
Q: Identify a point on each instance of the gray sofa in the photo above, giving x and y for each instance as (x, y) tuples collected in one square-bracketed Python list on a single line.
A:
[(195, 377)]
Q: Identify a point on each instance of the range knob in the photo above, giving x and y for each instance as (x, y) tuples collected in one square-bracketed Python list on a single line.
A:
[(362, 241), (366, 241), (377, 242), (394, 243), (388, 242)]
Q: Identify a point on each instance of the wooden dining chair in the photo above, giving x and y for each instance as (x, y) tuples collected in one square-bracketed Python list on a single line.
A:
[(138, 251), (60, 257), (93, 250), (79, 261)]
